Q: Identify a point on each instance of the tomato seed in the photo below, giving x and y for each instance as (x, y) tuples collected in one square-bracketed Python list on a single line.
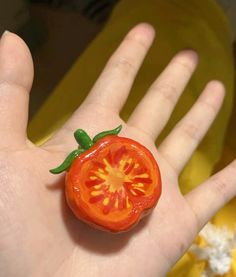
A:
[(142, 180), (140, 170), (96, 199), (118, 154), (127, 202), (106, 201), (138, 191), (129, 168), (99, 164), (96, 192), (91, 183)]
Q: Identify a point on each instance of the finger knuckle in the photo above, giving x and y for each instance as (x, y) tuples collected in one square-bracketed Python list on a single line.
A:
[(220, 188), (185, 65), (7, 84), (137, 40), (191, 130), (124, 65), (209, 107), (168, 92)]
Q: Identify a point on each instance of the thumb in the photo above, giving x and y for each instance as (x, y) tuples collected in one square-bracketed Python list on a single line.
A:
[(16, 76)]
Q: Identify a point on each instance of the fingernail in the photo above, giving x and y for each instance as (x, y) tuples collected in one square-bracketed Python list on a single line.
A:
[(4, 33), (190, 52)]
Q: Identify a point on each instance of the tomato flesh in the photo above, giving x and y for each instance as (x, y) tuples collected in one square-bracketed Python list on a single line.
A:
[(113, 184)]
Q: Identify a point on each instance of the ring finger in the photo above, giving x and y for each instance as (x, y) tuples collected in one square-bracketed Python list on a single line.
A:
[(153, 112), (179, 145)]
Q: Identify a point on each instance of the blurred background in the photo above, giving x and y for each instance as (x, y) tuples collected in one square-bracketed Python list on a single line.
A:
[(57, 32)]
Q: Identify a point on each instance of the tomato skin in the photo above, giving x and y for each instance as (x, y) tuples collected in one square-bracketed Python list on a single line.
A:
[(140, 205)]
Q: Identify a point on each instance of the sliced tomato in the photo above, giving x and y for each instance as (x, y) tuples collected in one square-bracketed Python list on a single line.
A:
[(113, 184)]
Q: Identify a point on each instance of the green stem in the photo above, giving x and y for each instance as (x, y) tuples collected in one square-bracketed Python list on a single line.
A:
[(67, 162), (106, 133), (83, 139), (85, 143)]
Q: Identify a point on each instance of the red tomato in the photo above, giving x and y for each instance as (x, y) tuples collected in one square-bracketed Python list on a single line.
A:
[(113, 184)]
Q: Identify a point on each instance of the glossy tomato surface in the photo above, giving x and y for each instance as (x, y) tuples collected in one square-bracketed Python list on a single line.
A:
[(113, 184)]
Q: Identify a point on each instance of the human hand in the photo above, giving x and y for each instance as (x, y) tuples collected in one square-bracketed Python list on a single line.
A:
[(39, 235)]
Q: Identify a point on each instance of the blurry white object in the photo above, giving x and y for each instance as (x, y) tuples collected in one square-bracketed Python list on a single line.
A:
[(218, 249)]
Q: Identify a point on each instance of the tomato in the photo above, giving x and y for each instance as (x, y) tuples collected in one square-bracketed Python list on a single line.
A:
[(113, 184)]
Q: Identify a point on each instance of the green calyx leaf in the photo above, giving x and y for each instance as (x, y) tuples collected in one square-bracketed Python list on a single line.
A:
[(85, 143), (107, 133), (67, 162)]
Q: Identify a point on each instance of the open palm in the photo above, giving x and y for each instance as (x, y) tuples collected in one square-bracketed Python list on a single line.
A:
[(39, 235)]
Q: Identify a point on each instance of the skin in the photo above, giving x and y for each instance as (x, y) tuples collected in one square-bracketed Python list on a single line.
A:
[(39, 236)]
